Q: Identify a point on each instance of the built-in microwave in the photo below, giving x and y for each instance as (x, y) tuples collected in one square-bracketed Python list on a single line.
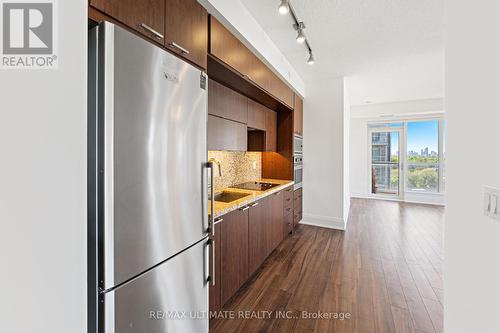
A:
[(297, 144)]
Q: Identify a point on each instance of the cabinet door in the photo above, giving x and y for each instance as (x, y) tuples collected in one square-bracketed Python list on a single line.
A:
[(297, 206), (214, 290), (234, 253), (298, 115), (225, 46), (145, 16), (256, 115), (288, 197), (288, 223), (258, 234), (259, 73), (276, 221), (186, 31), (271, 130), (226, 103), (226, 134)]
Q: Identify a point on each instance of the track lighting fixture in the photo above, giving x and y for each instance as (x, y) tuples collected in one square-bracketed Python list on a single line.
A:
[(283, 8), (311, 59), (301, 37), (299, 26)]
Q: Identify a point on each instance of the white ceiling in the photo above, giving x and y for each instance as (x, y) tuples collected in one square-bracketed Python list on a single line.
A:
[(389, 50)]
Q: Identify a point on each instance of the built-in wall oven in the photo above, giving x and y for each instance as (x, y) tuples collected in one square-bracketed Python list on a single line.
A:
[(297, 169)]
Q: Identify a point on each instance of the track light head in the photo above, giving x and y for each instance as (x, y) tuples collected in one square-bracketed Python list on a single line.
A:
[(284, 7), (310, 61), (301, 37)]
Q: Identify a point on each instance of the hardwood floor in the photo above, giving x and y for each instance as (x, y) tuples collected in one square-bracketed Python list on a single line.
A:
[(385, 271)]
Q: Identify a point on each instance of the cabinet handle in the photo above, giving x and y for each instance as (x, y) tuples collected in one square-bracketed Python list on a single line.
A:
[(211, 224), (254, 204), (277, 193), (151, 30), (244, 208), (218, 220), (177, 46)]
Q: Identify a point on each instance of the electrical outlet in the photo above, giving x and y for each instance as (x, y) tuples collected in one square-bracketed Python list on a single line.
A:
[(491, 198)]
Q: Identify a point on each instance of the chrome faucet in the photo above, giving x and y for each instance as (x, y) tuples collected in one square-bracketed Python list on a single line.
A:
[(219, 167)]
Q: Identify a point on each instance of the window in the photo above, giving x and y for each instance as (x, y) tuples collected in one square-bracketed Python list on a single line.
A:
[(422, 149), (423, 156)]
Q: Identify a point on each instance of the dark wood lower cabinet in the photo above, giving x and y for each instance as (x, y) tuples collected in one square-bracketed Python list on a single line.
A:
[(297, 207), (275, 221), (244, 239), (258, 234), (233, 252)]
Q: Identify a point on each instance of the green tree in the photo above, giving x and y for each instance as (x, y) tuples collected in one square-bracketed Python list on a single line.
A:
[(423, 178)]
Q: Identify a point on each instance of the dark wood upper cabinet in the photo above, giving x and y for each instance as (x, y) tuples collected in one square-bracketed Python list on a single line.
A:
[(227, 48), (226, 103), (271, 130), (275, 214), (265, 121), (258, 250), (256, 115), (145, 16), (234, 253), (224, 134), (215, 290), (186, 30), (298, 115)]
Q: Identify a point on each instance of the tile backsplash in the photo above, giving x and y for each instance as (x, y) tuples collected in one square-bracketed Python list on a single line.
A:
[(237, 167)]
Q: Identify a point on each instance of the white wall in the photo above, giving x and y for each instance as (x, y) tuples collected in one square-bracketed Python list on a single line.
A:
[(361, 115), (472, 246), (347, 152), (43, 188), (324, 154), (236, 17)]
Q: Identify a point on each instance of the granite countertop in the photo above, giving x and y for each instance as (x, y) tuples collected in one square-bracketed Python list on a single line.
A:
[(222, 208)]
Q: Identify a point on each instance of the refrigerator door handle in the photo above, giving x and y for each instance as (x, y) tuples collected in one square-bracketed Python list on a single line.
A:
[(211, 224)]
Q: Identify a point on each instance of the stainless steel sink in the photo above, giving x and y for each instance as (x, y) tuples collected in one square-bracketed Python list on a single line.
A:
[(226, 196)]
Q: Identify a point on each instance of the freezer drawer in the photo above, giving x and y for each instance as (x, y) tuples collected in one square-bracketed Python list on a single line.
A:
[(153, 151), (164, 299)]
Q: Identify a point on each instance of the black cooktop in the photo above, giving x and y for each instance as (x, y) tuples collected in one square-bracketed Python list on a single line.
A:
[(255, 186)]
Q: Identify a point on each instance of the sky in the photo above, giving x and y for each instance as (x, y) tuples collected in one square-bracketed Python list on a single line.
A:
[(422, 134)]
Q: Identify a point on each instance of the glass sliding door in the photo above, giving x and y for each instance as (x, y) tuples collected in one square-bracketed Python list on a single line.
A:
[(385, 154)]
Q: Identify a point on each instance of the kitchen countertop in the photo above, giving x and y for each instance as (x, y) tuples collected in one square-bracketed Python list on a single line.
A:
[(222, 208)]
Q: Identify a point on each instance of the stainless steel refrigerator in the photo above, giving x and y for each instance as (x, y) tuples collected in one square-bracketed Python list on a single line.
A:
[(148, 225)]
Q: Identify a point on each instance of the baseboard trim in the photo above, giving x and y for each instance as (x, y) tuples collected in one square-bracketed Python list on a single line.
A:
[(420, 202), (336, 223)]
